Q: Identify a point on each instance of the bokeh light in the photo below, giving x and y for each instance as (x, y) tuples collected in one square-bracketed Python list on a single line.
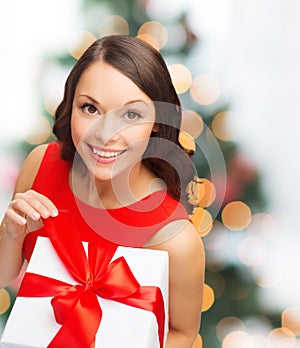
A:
[(41, 132), (208, 297), (281, 338), (236, 215), (181, 77), (51, 103), (80, 43), (290, 319), (238, 339), (207, 193), (202, 221), (4, 301), (228, 325), (198, 342), (263, 225), (113, 25), (150, 40), (224, 126), (187, 142), (262, 278), (154, 33), (192, 123), (217, 237), (205, 89), (252, 251)]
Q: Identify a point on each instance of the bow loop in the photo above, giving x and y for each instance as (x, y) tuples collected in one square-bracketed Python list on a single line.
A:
[(118, 281), (76, 305)]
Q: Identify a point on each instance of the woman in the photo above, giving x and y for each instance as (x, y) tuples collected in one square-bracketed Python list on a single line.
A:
[(118, 124)]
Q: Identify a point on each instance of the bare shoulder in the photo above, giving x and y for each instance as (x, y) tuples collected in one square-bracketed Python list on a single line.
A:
[(30, 169), (184, 245)]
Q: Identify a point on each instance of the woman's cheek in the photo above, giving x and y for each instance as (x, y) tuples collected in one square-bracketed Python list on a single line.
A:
[(77, 130)]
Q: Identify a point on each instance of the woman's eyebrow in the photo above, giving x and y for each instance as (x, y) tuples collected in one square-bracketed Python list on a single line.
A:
[(146, 103), (87, 96), (137, 101)]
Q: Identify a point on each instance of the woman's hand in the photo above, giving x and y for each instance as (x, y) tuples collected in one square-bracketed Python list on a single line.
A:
[(25, 212)]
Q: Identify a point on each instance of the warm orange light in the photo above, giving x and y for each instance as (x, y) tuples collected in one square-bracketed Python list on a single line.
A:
[(150, 40), (207, 193), (198, 342), (187, 141), (113, 25), (4, 301), (205, 89), (236, 216), (202, 221), (208, 297), (290, 319), (192, 123), (224, 126), (83, 40), (282, 338), (181, 77), (155, 29)]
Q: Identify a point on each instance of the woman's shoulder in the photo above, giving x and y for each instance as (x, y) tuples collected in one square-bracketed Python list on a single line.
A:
[(179, 237), (30, 168)]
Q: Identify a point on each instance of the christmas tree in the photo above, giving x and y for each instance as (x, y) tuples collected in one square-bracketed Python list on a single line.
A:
[(230, 203)]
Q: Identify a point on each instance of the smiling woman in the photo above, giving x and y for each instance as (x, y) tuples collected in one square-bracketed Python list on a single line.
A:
[(110, 130), (120, 170)]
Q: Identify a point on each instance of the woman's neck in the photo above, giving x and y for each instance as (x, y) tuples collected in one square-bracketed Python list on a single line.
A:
[(121, 191)]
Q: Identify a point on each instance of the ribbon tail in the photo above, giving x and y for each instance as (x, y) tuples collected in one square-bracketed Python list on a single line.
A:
[(36, 285), (66, 241), (81, 324), (151, 299)]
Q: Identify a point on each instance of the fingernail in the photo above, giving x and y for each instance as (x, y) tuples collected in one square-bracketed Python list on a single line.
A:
[(22, 221), (54, 213), (36, 216), (45, 213)]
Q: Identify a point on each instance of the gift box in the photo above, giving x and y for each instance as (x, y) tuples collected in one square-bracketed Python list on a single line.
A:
[(54, 301)]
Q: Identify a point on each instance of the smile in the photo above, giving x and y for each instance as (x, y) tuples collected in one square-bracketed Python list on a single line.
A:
[(105, 154)]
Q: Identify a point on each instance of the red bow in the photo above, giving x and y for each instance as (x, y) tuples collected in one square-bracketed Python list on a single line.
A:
[(76, 305)]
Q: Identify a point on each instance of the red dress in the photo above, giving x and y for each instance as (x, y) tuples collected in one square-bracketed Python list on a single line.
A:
[(131, 225)]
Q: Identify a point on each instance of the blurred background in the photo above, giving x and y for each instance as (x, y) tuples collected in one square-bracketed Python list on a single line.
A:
[(235, 65)]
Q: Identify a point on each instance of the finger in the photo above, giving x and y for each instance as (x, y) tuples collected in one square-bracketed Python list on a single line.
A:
[(32, 204), (47, 203), (33, 225), (15, 217), (31, 208)]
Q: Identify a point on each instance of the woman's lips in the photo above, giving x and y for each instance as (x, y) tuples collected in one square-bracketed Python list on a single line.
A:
[(104, 155)]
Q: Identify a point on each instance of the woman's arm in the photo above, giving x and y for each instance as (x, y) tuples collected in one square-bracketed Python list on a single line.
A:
[(22, 216), (186, 280)]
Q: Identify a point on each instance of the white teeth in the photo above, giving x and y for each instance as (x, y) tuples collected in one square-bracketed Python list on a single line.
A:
[(106, 154)]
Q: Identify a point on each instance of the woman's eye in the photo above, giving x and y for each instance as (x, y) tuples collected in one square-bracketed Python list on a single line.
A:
[(132, 115), (89, 109)]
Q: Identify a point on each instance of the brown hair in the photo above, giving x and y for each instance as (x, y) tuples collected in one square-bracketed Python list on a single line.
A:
[(147, 69)]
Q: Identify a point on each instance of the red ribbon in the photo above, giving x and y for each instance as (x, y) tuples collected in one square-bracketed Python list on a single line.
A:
[(76, 307)]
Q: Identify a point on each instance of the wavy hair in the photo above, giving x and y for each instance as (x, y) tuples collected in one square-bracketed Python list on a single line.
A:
[(146, 67)]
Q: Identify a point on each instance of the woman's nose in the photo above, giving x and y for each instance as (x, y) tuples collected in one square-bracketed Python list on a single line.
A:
[(107, 129)]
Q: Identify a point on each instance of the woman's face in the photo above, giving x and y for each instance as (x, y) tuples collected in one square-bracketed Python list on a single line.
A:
[(111, 121)]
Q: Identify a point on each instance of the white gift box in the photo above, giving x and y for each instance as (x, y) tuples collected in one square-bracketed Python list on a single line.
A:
[(32, 324)]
